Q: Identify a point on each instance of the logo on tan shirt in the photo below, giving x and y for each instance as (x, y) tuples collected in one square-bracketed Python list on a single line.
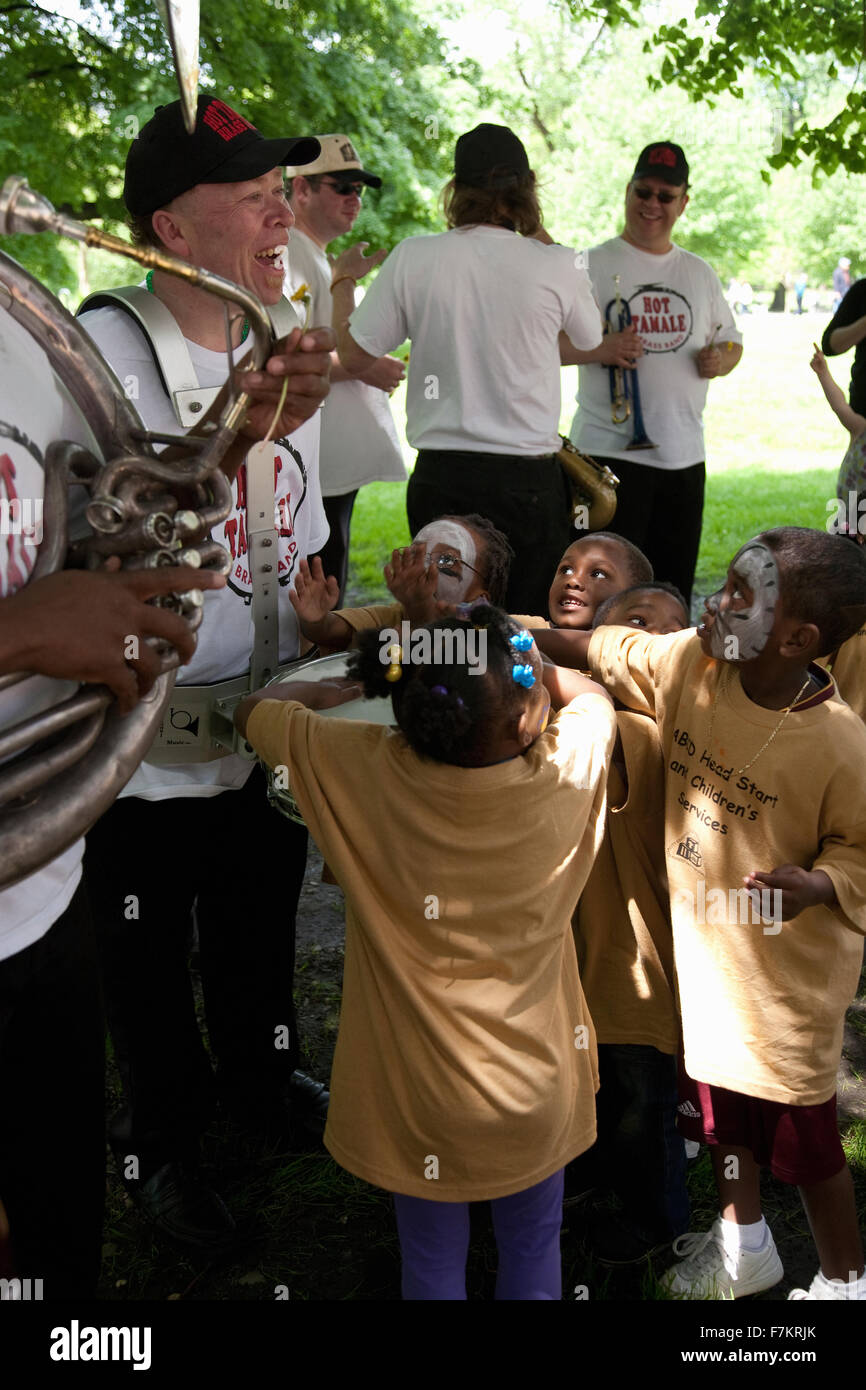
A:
[(690, 850)]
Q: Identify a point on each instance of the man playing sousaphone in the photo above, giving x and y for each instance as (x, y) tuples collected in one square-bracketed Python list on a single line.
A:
[(194, 832), (673, 302)]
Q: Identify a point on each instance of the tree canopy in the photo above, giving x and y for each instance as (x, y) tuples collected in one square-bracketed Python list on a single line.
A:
[(765, 95), (708, 56), (75, 91)]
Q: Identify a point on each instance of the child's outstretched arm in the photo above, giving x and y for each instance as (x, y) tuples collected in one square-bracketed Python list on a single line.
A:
[(313, 598), (564, 647), (313, 694), (564, 685), (835, 395)]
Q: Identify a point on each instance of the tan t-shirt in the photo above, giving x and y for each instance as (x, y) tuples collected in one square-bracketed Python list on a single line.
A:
[(622, 925), (848, 669), (465, 1065), (762, 1002), (374, 617)]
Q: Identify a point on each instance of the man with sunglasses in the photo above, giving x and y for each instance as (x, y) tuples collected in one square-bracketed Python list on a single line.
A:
[(675, 303), (359, 442)]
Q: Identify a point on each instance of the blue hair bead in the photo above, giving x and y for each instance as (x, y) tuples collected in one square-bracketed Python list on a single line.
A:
[(524, 675), (521, 640)]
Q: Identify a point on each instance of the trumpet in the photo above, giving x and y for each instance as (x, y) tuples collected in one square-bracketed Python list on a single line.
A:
[(624, 387)]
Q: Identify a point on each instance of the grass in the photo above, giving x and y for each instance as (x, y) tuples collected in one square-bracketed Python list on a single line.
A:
[(773, 451)]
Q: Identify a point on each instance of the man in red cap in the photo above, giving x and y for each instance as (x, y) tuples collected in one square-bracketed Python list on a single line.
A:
[(688, 336), (197, 834)]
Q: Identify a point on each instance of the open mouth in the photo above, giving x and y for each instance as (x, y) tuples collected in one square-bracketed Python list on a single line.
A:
[(571, 601), (274, 258)]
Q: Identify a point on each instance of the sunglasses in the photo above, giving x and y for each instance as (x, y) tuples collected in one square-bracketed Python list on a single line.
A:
[(345, 190), (664, 198)]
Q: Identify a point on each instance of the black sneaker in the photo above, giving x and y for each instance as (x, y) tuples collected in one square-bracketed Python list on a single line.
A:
[(310, 1100), (181, 1205)]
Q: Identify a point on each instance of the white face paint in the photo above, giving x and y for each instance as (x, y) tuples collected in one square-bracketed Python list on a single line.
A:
[(756, 565), (441, 539)]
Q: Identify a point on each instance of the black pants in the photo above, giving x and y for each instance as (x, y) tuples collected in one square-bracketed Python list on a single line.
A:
[(528, 499), (52, 1099), (335, 552), (661, 510), (241, 865)]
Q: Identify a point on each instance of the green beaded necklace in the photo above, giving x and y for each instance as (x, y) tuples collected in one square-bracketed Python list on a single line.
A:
[(148, 280)]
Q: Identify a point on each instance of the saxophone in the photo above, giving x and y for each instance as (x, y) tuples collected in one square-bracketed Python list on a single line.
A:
[(593, 488)]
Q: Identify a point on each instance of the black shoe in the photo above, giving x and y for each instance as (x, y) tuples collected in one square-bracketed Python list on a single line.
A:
[(181, 1205), (278, 1118), (310, 1101)]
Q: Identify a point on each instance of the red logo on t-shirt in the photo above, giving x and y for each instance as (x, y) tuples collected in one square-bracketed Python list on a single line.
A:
[(226, 122)]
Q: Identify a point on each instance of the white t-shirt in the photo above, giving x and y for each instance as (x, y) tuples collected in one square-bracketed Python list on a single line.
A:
[(677, 304), (484, 309), (225, 637), (359, 442), (34, 411)]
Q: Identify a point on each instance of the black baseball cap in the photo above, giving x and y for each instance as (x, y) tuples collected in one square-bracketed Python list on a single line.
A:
[(163, 161), (663, 160), (490, 156)]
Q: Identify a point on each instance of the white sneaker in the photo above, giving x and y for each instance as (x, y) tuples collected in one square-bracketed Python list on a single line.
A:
[(821, 1288), (710, 1270)]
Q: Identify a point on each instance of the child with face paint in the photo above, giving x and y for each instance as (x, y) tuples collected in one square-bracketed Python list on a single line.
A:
[(758, 752), (622, 931), (465, 1065), (451, 560)]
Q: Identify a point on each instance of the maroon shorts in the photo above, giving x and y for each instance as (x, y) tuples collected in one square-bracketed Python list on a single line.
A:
[(799, 1143)]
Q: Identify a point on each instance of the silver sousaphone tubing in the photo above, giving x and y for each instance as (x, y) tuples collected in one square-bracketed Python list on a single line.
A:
[(62, 768)]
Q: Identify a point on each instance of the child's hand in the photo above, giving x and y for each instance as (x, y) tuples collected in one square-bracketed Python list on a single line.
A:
[(413, 584), (800, 888), (819, 361), (317, 694), (314, 596)]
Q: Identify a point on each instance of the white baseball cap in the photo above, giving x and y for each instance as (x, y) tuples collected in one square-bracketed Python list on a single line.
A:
[(338, 156)]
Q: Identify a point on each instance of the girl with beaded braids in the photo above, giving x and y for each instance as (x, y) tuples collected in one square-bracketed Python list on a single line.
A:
[(465, 1066)]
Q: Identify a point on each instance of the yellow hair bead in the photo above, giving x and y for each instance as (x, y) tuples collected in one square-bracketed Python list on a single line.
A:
[(395, 670)]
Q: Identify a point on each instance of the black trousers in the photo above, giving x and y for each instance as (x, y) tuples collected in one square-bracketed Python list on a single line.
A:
[(335, 552), (661, 510), (241, 865), (52, 1100), (528, 499)]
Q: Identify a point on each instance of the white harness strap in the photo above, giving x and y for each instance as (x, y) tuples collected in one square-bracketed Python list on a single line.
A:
[(168, 345)]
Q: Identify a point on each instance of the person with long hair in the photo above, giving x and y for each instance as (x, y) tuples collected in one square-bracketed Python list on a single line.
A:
[(492, 312)]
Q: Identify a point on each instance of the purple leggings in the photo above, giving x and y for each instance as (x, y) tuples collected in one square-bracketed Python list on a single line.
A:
[(434, 1241)]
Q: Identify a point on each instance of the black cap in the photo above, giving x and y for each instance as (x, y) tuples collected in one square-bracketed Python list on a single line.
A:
[(663, 160), (163, 161), (490, 156)]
